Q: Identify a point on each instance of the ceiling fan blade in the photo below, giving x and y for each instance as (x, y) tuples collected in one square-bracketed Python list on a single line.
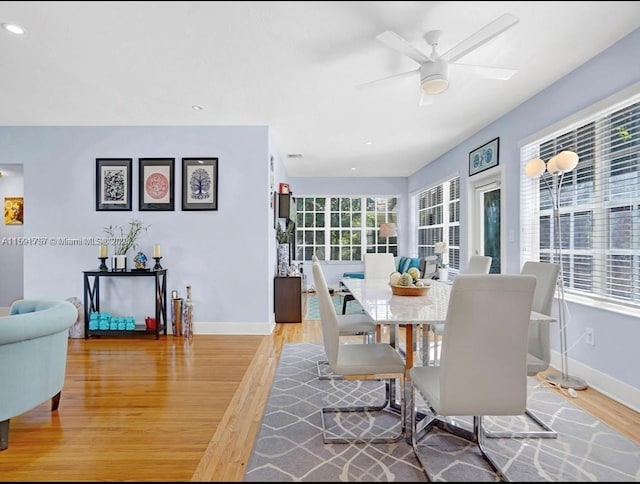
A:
[(378, 81), (393, 40), (485, 34), (488, 72)]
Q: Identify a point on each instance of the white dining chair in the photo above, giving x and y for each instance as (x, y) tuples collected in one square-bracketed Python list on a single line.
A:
[(348, 325), (378, 361), (538, 343), (483, 365), (379, 265), (376, 265), (478, 264)]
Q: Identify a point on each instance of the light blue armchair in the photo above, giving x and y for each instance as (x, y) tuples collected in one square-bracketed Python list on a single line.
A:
[(33, 357)]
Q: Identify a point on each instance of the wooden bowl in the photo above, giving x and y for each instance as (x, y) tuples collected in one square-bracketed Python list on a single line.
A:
[(409, 290)]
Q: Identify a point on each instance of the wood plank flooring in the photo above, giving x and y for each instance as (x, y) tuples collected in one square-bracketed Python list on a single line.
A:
[(173, 410)]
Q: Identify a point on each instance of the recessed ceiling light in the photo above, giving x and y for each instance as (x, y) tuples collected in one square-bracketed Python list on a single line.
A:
[(13, 28), (368, 142), (197, 107), (353, 168), (294, 155)]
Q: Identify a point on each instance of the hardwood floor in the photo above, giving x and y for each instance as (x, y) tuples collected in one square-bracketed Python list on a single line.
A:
[(173, 410)]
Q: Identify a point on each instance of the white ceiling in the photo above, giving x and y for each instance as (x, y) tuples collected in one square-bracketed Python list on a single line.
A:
[(292, 66)]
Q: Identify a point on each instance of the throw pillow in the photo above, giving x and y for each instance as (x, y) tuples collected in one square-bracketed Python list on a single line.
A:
[(406, 263)]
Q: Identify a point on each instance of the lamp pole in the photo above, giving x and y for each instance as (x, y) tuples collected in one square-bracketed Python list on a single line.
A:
[(555, 169)]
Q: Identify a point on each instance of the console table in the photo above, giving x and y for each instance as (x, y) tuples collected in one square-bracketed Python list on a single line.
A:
[(92, 301)]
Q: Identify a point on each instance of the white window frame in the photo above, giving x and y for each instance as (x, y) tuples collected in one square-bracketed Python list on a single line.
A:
[(366, 245)]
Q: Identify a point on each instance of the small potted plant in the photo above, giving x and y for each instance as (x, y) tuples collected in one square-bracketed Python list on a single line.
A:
[(123, 241)]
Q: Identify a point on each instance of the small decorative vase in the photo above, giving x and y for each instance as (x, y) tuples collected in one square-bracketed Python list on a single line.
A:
[(141, 261), (119, 263), (443, 274)]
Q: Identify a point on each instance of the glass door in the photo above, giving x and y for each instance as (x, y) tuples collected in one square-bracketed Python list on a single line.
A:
[(487, 223)]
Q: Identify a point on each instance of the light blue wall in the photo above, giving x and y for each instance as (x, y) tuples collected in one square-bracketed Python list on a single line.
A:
[(363, 186), (219, 253), (616, 335)]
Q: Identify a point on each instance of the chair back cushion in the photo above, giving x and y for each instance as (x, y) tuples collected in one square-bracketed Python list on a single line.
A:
[(546, 280), (405, 263), (484, 346), (328, 316), (429, 266), (379, 266), (478, 264), (539, 331)]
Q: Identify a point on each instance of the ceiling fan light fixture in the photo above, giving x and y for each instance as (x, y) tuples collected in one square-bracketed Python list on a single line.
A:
[(434, 77)]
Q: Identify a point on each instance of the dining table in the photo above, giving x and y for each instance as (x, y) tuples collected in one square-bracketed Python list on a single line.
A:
[(384, 307), (378, 301)]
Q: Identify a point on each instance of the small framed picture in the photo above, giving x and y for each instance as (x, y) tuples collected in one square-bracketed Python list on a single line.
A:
[(284, 188), (156, 182), (13, 210), (113, 184), (484, 157), (199, 183)]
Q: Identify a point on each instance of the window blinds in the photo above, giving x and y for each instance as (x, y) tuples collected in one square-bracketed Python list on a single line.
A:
[(438, 220), (599, 205)]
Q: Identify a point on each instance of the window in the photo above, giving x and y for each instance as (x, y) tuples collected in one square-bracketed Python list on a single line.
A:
[(343, 228), (599, 206), (438, 219)]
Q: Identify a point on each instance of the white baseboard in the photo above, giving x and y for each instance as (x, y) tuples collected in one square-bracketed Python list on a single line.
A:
[(205, 327), (615, 389)]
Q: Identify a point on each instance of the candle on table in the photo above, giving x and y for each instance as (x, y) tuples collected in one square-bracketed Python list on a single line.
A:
[(102, 251), (156, 251)]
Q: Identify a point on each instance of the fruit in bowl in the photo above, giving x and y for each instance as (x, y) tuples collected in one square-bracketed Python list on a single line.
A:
[(405, 280), (394, 278), (414, 272)]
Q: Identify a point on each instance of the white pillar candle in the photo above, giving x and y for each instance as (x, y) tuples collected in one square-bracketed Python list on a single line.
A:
[(102, 251), (156, 251)]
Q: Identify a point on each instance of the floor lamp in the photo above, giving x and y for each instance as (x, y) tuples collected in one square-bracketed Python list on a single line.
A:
[(552, 173)]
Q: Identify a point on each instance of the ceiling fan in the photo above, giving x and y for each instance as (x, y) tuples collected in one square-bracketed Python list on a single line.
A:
[(434, 68)]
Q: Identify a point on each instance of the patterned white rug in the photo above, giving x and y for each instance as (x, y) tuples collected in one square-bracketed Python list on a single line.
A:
[(290, 448)]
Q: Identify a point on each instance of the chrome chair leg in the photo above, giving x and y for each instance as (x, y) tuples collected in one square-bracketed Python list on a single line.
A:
[(324, 371), (546, 432), (384, 407), (419, 429)]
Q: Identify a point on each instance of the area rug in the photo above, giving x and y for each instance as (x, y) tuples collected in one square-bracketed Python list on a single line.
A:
[(289, 446), (313, 312)]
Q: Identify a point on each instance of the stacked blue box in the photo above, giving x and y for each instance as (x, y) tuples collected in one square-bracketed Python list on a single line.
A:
[(104, 321), (93, 320)]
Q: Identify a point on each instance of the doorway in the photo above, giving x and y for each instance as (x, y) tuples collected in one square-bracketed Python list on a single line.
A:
[(487, 228), (11, 235)]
